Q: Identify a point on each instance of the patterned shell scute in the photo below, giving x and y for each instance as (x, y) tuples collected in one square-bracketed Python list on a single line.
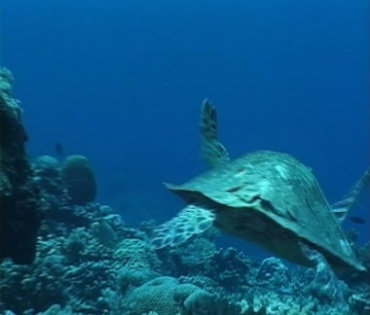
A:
[(271, 176)]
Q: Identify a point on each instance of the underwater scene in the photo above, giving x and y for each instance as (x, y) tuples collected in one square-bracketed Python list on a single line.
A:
[(198, 157)]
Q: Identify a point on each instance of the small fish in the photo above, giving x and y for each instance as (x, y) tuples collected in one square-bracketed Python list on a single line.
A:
[(59, 150), (357, 220)]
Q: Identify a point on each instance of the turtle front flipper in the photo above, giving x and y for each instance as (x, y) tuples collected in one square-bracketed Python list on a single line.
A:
[(212, 149), (190, 221), (342, 207)]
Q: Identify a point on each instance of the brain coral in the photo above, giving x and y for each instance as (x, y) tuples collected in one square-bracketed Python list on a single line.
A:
[(154, 296), (79, 178), (166, 296)]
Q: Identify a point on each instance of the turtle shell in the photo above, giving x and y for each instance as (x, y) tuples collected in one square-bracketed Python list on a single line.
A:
[(274, 200)]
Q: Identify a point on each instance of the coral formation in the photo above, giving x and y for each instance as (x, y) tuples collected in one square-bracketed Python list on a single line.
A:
[(79, 179), (86, 260), (20, 204)]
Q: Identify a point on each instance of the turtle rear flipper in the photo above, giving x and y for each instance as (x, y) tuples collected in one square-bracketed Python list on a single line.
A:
[(342, 207), (212, 149), (331, 286), (191, 220)]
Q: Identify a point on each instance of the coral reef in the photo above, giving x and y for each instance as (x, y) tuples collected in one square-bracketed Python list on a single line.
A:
[(20, 203), (86, 260)]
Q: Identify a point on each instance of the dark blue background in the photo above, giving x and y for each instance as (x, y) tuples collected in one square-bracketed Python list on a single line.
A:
[(122, 83)]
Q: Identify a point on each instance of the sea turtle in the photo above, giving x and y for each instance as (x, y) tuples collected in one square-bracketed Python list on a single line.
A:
[(269, 198), (215, 154)]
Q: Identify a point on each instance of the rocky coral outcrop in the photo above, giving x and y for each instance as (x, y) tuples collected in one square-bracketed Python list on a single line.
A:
[(21, 213)]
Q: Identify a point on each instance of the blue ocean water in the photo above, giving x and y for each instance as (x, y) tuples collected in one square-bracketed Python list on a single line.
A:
[(121, 82)]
